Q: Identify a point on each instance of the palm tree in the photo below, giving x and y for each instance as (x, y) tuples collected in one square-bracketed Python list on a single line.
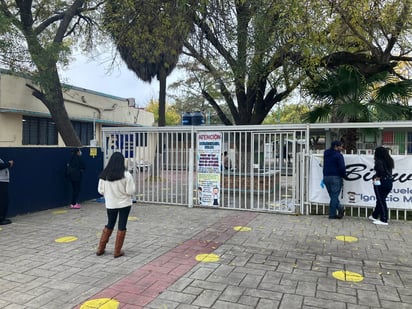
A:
[(149, 36), (345, 95)]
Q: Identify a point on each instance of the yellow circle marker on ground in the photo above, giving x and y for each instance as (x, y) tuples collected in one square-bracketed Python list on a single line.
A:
[(347, 238), (242, 228), (59, 212), (207, 258), (101, 303), (66, 239), (347, 276), (131, 218)]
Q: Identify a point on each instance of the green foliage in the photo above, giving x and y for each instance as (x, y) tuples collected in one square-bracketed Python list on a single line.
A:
[(187, 94), (373, 36), (12, 54), (240, 49), (148, 34), (33, 33), (256, 52), (172, 114), (346, 95), (287, 113), (34, 38)]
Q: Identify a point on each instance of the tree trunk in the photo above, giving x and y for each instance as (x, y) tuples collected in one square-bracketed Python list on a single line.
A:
[(45, 60), (162, 119), (162, 97), (51, 96), (350, 140)]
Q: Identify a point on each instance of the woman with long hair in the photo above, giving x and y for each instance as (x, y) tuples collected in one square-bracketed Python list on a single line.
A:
[(382, 184), (117, 186)]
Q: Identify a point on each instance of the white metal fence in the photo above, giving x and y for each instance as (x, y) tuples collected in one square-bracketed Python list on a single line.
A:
[(269, 165), (264, 172)]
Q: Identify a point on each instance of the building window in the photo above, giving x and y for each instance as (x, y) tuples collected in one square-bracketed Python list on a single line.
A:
[(84, 131), (39, 131)]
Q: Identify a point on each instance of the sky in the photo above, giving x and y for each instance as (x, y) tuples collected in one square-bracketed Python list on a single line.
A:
[(120, 81)]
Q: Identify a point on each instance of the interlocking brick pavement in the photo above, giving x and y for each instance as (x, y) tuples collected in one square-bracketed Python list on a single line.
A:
[(283, 261)]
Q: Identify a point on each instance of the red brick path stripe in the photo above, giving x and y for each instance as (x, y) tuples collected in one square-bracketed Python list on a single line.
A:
[(143, 285)]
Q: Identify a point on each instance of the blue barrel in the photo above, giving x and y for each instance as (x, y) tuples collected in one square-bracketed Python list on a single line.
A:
[(187, 119), (197, 118)]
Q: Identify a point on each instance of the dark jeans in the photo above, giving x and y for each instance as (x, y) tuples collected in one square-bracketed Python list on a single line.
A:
[(334, 186), (75, 191), (381, 193), (4, 200), (123, 216)]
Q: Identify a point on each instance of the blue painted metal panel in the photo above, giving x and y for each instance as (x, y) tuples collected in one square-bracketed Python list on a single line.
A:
[(38, 181)]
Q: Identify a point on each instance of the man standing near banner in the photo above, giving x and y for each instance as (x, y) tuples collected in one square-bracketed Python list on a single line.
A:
[(334, 171)]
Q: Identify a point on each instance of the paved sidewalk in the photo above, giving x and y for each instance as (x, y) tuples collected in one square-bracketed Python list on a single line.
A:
[(178, 257)]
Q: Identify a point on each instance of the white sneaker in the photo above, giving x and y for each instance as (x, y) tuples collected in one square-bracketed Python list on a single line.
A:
[(372, 218), (379, 222)]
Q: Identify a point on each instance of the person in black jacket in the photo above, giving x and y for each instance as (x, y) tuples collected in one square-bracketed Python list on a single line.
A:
[(382, 184), (334, 171), (4, 190), (75, 169)]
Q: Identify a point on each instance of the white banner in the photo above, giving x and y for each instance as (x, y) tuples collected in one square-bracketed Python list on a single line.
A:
[(209, 164), (358, 188)]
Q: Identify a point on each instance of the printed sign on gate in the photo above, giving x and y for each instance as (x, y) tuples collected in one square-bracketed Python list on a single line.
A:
[(209, 168), (358, 187)]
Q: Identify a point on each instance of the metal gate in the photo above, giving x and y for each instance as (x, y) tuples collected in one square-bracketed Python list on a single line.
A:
[(266, 173)]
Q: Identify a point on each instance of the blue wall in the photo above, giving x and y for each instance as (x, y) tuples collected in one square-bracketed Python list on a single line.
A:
[(37, 180)]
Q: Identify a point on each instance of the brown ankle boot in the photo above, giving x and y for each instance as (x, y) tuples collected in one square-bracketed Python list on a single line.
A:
[(119, 243), (103, 241)]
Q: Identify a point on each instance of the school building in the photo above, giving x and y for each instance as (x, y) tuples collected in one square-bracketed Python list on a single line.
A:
[(25, 120)]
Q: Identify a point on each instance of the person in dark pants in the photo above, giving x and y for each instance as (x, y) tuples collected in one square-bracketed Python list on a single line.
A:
[(227, 163), (75, 174), (117, 186), (334, 171), (4, 190), (382, 184)]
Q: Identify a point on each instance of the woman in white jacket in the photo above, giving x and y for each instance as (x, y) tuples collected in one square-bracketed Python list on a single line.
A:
[(117, 186)]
